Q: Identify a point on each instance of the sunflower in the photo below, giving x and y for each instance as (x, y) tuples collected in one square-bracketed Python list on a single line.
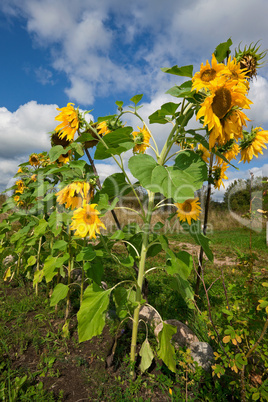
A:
[(56, 140), (20, 186), (188, 210), (70, 122), (208, 75), (236, 73), (253, 143), (19, 171), (218, 174), (250, 59), (64, 158), (16, 198), (34, 160), (203, 152), (216, 106), (232, 125), (103, 128), (85, 221), (141, 139), (33, 177), (74, 194), (230, 150)]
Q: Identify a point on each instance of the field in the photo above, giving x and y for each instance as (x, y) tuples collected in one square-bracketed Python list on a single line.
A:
[(37, 363)]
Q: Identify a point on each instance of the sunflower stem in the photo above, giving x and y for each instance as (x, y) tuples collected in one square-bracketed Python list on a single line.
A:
[(201, 252)]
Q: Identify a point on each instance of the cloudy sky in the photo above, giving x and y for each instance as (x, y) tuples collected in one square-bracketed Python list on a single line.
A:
[(93, 53)]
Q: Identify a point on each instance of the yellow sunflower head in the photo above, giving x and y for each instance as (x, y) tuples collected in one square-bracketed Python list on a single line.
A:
[(218, 174), (208, 75), (33, 177), (64, 158), (230, 150), (141, 139), (74, 194), (85, 221), (252, 144), (216, 107), (20, 186), (19, 171), (188, 210), (70, 122), (34, 160), (103, 128), (236, 73)]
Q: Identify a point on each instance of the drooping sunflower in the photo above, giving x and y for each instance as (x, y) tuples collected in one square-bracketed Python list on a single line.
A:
[(56, 140), (141, 139), (74, 194), (20, 186), (215, 107), (252, 144), (236, 73), (70, 122), (34, 160), (219, 175), (85, 221), (208, 75), (203, 152), (103, 128), (188, 210), (64, 158), (232, 126), (230, 150)]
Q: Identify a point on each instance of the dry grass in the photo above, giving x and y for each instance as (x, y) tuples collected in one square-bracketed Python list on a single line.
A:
[(218, 220)]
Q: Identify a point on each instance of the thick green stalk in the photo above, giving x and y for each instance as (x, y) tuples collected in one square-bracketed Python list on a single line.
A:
[(70, 267), (141, 278), (38, 262)]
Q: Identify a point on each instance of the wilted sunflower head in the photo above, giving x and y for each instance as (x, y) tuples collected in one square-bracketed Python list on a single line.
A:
[(250, 58), (56, 140)]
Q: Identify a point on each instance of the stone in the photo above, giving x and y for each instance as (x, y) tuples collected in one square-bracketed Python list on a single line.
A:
[(8, 260), (150, 315), (184, 335), (202, 354)]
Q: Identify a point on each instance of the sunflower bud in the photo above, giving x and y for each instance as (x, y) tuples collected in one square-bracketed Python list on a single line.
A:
[(250, 58)]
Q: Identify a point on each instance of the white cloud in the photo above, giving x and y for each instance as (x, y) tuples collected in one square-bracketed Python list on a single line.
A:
[(107, 47), (26, 130)]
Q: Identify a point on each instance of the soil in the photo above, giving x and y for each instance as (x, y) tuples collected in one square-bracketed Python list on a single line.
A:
[(79, 371)]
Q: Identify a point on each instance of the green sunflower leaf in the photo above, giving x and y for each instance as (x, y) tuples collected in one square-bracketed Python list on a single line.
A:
[(166, 350), (115, 185), (91, 315), (223, 50), (147, 355), (59, 293), (185, 71), (195, 231), (135, 99), (142, 166), (55, 152), (182, 91), (118, 141)]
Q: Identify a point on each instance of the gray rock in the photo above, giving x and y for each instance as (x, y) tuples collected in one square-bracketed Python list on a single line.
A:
[(184, 335), (150, 315), (8, 260), (202, 354)]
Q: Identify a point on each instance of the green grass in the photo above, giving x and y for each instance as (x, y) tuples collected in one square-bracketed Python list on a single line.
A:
[(26, 322)]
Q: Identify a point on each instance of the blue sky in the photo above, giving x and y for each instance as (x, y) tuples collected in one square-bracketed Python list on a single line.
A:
[(93, 53)]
